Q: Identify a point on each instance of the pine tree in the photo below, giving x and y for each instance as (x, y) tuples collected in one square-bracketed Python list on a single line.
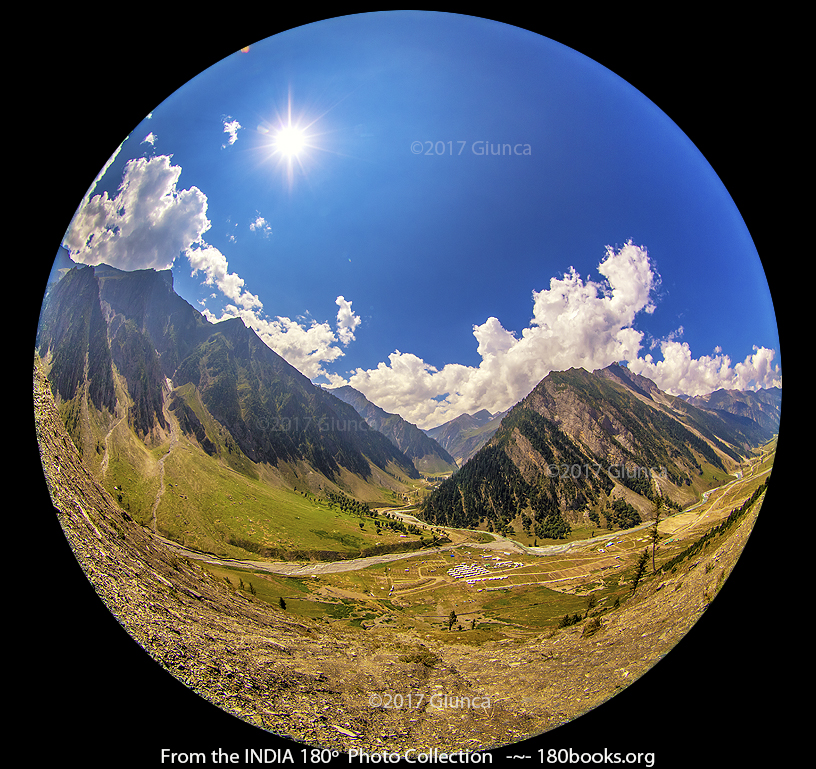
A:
[(639, 569)]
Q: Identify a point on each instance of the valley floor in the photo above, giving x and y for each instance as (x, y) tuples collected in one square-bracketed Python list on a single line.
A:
[(327, 669)]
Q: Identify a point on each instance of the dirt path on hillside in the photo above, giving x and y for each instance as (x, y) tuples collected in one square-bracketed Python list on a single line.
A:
[(105, 456)]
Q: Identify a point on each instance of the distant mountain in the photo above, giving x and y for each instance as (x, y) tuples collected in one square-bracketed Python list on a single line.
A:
[(123, 345), (427, 455), (580, 447), (760, 406), (463, 436)]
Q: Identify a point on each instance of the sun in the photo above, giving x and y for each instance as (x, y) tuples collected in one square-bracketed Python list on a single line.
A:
[(290, 141)]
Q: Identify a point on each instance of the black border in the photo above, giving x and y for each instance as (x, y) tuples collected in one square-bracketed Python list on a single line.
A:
[(721, 697)]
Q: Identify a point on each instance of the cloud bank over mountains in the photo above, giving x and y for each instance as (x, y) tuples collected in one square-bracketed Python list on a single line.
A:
[(575, 323), (151, 223)]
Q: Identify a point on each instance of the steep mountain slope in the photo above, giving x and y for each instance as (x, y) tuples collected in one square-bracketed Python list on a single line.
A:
[(276, 414), (427, 455), (464, 436), (140, 375), (582, 445)]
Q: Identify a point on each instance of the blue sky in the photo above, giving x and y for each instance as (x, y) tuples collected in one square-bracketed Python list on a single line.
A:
[(439, 281)]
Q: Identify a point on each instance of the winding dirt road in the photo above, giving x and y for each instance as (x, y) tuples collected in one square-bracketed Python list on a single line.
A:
[(675, 524)]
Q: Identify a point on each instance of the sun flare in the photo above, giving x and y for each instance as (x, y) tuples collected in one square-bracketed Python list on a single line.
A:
[(290, 140)]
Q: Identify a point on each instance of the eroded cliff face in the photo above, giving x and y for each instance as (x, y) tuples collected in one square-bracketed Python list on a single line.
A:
[(601, 433)]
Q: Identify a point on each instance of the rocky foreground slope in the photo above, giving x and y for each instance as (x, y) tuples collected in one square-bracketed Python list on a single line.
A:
[(312, 681)]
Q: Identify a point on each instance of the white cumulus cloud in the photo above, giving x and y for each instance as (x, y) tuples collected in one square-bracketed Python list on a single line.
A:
[(680, 373), (147, 223), (347, 321), (575, 323), (231, 128), (305, 345)]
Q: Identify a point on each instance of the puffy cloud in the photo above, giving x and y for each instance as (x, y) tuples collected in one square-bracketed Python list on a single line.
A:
[(679, 373), (147, 223), (347, 321), (575, 323), (231, 127), (209, 260), (260, 225), (307, 347)]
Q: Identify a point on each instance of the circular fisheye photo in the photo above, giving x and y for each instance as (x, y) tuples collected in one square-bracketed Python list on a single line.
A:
[(407, 386)]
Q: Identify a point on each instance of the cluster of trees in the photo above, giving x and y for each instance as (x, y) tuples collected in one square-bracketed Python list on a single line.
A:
[(395, 524), (640, 481), (349, 505), (489, 490), (355, 507), (568, 620), (621, 514)]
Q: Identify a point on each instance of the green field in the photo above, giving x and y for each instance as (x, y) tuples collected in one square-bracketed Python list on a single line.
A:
[(423, 596), (210, 506), (238, 510)]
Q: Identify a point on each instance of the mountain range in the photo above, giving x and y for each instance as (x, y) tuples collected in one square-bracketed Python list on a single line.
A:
[(583, 446), (761, 406), (122, 348), (463, 436), (427, 455), (157, 398)]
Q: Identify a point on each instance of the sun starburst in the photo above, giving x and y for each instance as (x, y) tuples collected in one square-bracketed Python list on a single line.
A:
[(290, 141), (293, 142)]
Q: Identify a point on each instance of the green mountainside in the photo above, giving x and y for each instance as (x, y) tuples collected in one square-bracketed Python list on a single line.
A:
[(585, 446), (152, 393), (427, 455), (204, 434)]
